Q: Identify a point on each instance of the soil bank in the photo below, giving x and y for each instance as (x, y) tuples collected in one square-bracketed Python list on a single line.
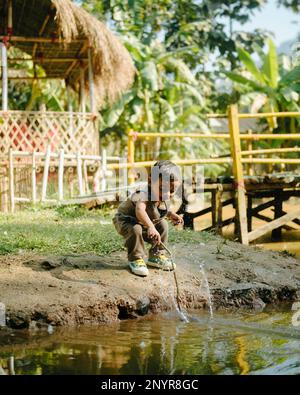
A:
[(89, 289)]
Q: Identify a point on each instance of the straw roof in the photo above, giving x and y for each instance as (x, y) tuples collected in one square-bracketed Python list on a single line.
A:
[(64, 33)]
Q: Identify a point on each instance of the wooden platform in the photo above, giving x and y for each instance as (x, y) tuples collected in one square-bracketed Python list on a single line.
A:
[(277, 188)]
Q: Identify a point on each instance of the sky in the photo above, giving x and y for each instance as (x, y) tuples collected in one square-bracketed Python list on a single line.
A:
[(279, 20)]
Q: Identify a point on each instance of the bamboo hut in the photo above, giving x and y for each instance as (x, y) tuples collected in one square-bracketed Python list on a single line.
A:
[(68, 44)]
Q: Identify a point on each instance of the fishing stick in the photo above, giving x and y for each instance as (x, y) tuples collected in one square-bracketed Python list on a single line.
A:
[(174, 273)]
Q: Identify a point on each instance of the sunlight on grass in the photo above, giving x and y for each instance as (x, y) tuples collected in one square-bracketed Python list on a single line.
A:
[(69, 230)]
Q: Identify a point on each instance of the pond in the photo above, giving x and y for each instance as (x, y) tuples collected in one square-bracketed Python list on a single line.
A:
[(230, 343)]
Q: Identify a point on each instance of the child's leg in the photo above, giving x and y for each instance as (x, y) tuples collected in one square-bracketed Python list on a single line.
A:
[(134, 242), (162, 228)]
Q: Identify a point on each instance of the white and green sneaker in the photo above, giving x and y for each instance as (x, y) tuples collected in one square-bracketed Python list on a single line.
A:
[(161, 262), (139, 267)]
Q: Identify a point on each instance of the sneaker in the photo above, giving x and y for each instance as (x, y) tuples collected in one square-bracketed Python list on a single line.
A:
[(139, 267), (161, 262)]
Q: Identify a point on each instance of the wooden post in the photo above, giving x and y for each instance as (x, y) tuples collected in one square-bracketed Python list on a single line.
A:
[(79, 173), (11, 366), (33, 178), (104, 170), (4, 77), (250, 148), (70, 110), (45, 174), (11, 181), (91, 82), (61, 175), (213, 209), (85, 178), (10, 18), (235, 143), (249, 213), (82, 92), (278, 212), (219, 210), (130, 153)]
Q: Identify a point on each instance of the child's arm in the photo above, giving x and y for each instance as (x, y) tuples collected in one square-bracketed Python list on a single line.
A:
[(175, 218), (143, 218)]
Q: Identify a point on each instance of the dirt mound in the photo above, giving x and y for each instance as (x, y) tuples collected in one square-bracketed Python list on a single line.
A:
[(90, 289)]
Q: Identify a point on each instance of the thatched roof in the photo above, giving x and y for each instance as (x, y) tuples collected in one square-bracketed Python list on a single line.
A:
[(65, 31)]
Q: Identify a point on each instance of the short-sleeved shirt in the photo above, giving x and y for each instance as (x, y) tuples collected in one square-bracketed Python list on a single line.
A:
[(126, 210)]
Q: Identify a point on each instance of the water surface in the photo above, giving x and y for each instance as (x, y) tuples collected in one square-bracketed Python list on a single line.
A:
[(230, 343)]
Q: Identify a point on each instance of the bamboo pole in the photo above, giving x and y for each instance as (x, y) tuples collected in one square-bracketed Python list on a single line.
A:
[(35, 78), (91, 82), (250, 148), (51, 40), (45, 60), (4, 77), (85, 178), (270, 151), (256, 136), (79, 174), (70, 110), (273, 225), (61, 175), (33, 178), (237, 168), (45, 174), (130, 153), (11, 366), (10, 18), (11, 181), (271, 160), (269, 136), (82, 92), (180, 162), (180, 135), (104, 170), (270, 115)]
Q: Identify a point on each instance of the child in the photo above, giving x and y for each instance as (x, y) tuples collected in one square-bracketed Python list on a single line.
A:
[(139, 220)]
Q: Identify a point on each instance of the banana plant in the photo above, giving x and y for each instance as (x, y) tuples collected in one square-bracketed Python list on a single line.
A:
[(23, 96), (166, 95), (272, 86)]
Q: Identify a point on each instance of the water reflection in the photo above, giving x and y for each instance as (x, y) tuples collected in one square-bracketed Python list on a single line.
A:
[(247, 343)]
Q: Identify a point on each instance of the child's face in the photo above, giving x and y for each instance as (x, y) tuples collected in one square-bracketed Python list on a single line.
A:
[(164, 190)]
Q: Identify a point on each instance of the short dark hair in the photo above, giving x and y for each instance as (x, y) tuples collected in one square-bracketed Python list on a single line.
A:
[(166, 168)]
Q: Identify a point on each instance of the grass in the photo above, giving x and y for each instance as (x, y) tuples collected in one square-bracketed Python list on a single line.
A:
[(71, 229)]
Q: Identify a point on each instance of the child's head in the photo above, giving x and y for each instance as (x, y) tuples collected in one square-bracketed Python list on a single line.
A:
[(165, 178)]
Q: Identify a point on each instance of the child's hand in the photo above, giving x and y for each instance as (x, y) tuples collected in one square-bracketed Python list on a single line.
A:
[(153, 234), (175, 218)]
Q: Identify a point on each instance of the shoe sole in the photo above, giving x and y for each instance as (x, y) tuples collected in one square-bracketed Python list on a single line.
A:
[(158, 266), (138, 274)]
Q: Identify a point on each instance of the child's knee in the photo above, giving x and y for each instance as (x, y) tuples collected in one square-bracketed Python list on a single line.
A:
[(137, 230), (162, 226)]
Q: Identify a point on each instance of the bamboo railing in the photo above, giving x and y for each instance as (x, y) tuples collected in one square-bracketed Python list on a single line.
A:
[(34, 130), (238, 158)]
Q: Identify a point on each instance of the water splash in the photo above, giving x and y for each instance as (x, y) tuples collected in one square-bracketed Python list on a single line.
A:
[(204, 287), (168, 293)]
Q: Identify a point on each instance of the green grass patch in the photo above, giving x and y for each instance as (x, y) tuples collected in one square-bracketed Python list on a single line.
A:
[(65, 230)]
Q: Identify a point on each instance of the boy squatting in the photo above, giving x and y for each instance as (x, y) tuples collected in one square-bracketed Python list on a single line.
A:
[(138, 219)]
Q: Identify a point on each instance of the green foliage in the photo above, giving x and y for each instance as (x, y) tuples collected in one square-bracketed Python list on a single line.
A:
[(23, 96), (277, 88)]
